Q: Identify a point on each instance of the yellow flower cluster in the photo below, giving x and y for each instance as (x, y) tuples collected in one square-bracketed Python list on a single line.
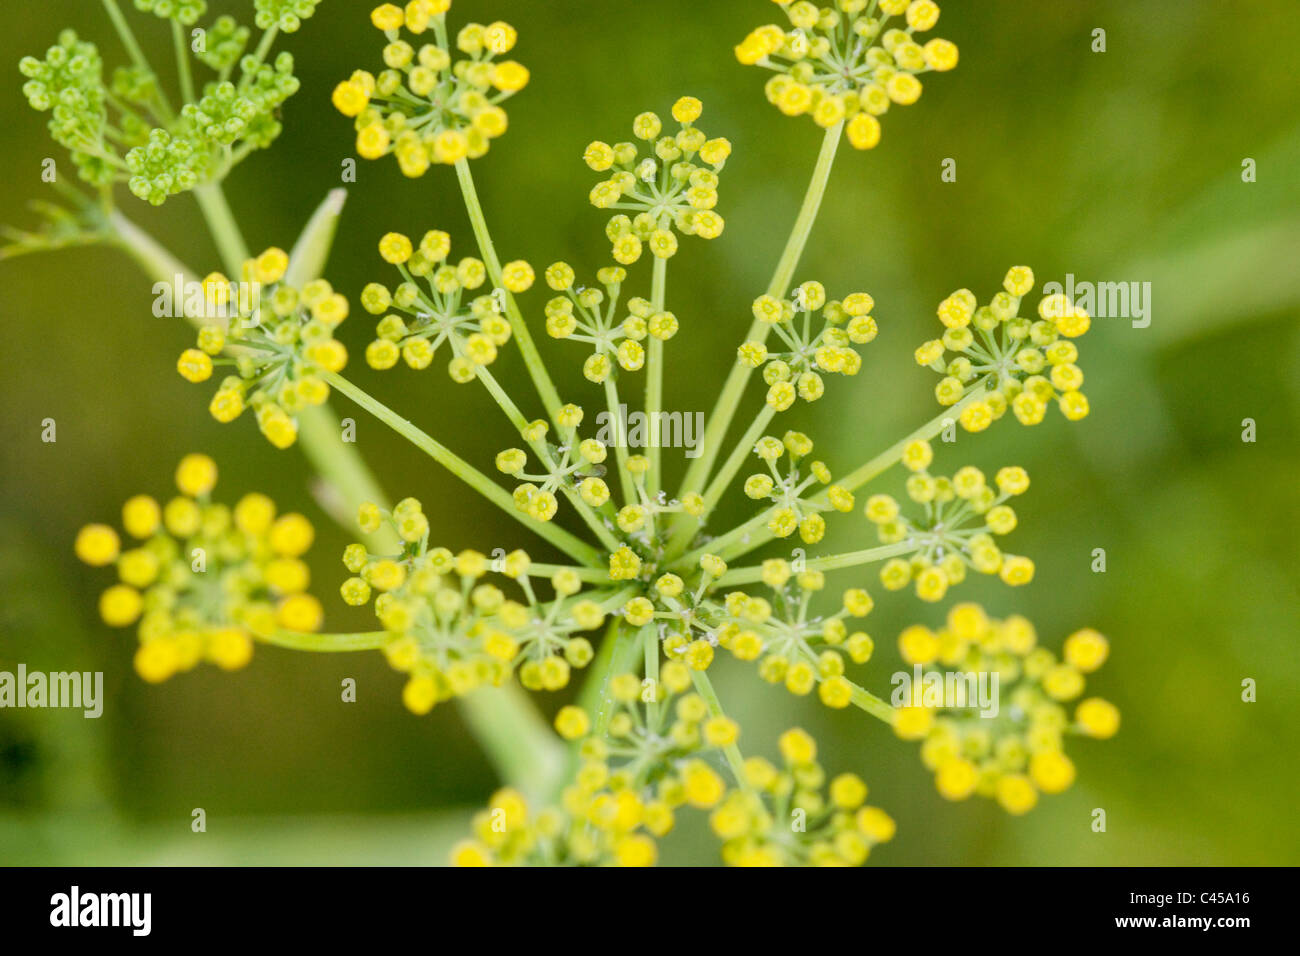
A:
[(949, 537), (799, 649), (437, 312), (846, 62), (1019, 753), (630, 783), (793, 645), (1006, 359), (667, 192), (452, 632), (277, 340), (586, 314), (203, 579), (425, 108), (593, 827), (793, 512), (791, 816), (687, 621), (795, 371), (578, 469), (661, 739)]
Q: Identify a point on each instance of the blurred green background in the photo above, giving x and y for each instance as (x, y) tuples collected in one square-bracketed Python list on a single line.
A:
[(1123, 165)]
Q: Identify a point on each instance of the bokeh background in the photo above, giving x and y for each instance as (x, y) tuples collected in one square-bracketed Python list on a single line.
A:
[(1123, 165)]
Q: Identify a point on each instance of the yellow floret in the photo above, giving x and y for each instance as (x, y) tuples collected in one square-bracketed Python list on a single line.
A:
[(97, 545), (196, 475)]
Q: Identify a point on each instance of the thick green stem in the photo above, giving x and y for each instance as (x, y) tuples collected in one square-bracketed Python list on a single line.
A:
[(617, 655), (738, 378), (222, 225), (345, 479), (523, 748), (311, 250), (154, 259)]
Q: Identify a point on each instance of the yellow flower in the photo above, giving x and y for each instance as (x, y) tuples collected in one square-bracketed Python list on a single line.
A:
[(196, 475), (1052, 771), (1086, 650), (97, 545), (572, 722), (1098, 718), (956, 779), (350, 98)]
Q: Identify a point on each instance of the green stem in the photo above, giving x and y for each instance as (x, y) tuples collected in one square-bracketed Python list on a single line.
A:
[(154, 259), (183, 63), (543, 454), (744, 448), (311, 250), (137, 55), (621, 453), (519, 330), (591, 575), (723, 543), (654, 380), (616, 656), (222, 225), (893, 454), (259, 55), (650, 643), (833, 562), (346, 480), (738, 378), (522, 747), (566, 542), (328, 643), (753, 534), (873, 705), (734, 758)]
